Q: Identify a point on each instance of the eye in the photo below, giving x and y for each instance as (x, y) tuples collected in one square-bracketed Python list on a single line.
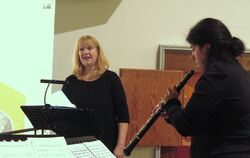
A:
[(89, 48)]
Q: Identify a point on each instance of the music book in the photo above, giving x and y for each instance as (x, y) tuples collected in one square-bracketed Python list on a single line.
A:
[(36, 148), (93, 149), (54, 147)]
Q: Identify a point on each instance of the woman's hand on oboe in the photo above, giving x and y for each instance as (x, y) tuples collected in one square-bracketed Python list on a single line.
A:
[(156, 108), (171, 94)]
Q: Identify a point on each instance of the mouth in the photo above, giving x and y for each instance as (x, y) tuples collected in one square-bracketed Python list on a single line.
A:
[(86, 57)]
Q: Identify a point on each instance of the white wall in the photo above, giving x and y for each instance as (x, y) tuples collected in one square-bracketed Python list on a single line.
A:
[(131, 37), (26, 46)]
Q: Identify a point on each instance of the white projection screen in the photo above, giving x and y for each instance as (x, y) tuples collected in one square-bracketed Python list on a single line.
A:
[(26, 56)]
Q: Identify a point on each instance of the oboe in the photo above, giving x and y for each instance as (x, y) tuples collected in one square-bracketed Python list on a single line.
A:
[(154, 116)]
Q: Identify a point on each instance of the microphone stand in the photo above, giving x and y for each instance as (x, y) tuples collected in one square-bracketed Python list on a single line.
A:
[(45, 95)]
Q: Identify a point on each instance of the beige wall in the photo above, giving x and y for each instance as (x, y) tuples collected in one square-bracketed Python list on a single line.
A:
[(77, 14), (131, 36)]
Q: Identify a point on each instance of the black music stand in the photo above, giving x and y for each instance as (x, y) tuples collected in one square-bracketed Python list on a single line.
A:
[(64, 121)]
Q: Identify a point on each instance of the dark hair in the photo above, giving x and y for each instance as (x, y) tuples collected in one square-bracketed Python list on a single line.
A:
[(223, 45)]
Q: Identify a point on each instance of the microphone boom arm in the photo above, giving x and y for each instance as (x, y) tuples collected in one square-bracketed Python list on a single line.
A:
[(49, 82)]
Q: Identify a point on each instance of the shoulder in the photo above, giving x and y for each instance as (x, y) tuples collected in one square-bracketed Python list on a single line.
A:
[(221, 74), (112, 78), (216, 73), (71, 78), (224, 70), (216, 77), (217, 69), (111, 74)]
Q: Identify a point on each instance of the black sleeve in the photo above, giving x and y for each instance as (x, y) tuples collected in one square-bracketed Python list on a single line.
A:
[(171, 106), (209, 92), (67, 86), (119, 100)]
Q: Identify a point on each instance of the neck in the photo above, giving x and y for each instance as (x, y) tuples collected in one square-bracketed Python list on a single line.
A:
[(90, 74), (89, 69)]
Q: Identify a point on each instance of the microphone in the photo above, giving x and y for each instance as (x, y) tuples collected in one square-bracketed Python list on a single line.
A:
[(52, 81)]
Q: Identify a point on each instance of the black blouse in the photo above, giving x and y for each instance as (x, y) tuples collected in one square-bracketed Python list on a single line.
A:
[(107, 97), (217, 115)]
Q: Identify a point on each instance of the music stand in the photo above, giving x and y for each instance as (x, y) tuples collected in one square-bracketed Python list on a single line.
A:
[(64, 121)]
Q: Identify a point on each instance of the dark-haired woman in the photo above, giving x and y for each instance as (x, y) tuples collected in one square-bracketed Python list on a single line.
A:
[(217, 115)]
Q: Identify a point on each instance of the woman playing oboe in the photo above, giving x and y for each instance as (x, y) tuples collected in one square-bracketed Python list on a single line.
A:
[(217, 115)]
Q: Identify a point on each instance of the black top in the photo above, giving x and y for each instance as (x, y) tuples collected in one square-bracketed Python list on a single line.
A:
[(217, 115), (107, 97)]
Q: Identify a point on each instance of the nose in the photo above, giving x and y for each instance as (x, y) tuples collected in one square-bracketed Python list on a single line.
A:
[(85, 51), (192, 56)]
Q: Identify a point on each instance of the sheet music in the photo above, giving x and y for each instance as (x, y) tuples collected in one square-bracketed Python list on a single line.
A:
[(80, 151), (16, 149), (99, 149), (54, 147)]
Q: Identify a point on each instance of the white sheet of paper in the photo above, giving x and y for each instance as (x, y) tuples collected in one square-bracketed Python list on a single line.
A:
[(99, 149), (58, 98), (80, 151), (54, 147), (16, 150)]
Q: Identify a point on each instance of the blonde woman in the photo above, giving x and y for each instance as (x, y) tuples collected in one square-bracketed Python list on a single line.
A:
[(93, 86)]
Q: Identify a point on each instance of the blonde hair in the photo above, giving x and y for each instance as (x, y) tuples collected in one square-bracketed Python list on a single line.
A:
[(101, 64)]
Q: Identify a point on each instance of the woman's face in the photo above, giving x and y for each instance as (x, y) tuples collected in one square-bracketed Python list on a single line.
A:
[(88, 56), (199, 55)]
